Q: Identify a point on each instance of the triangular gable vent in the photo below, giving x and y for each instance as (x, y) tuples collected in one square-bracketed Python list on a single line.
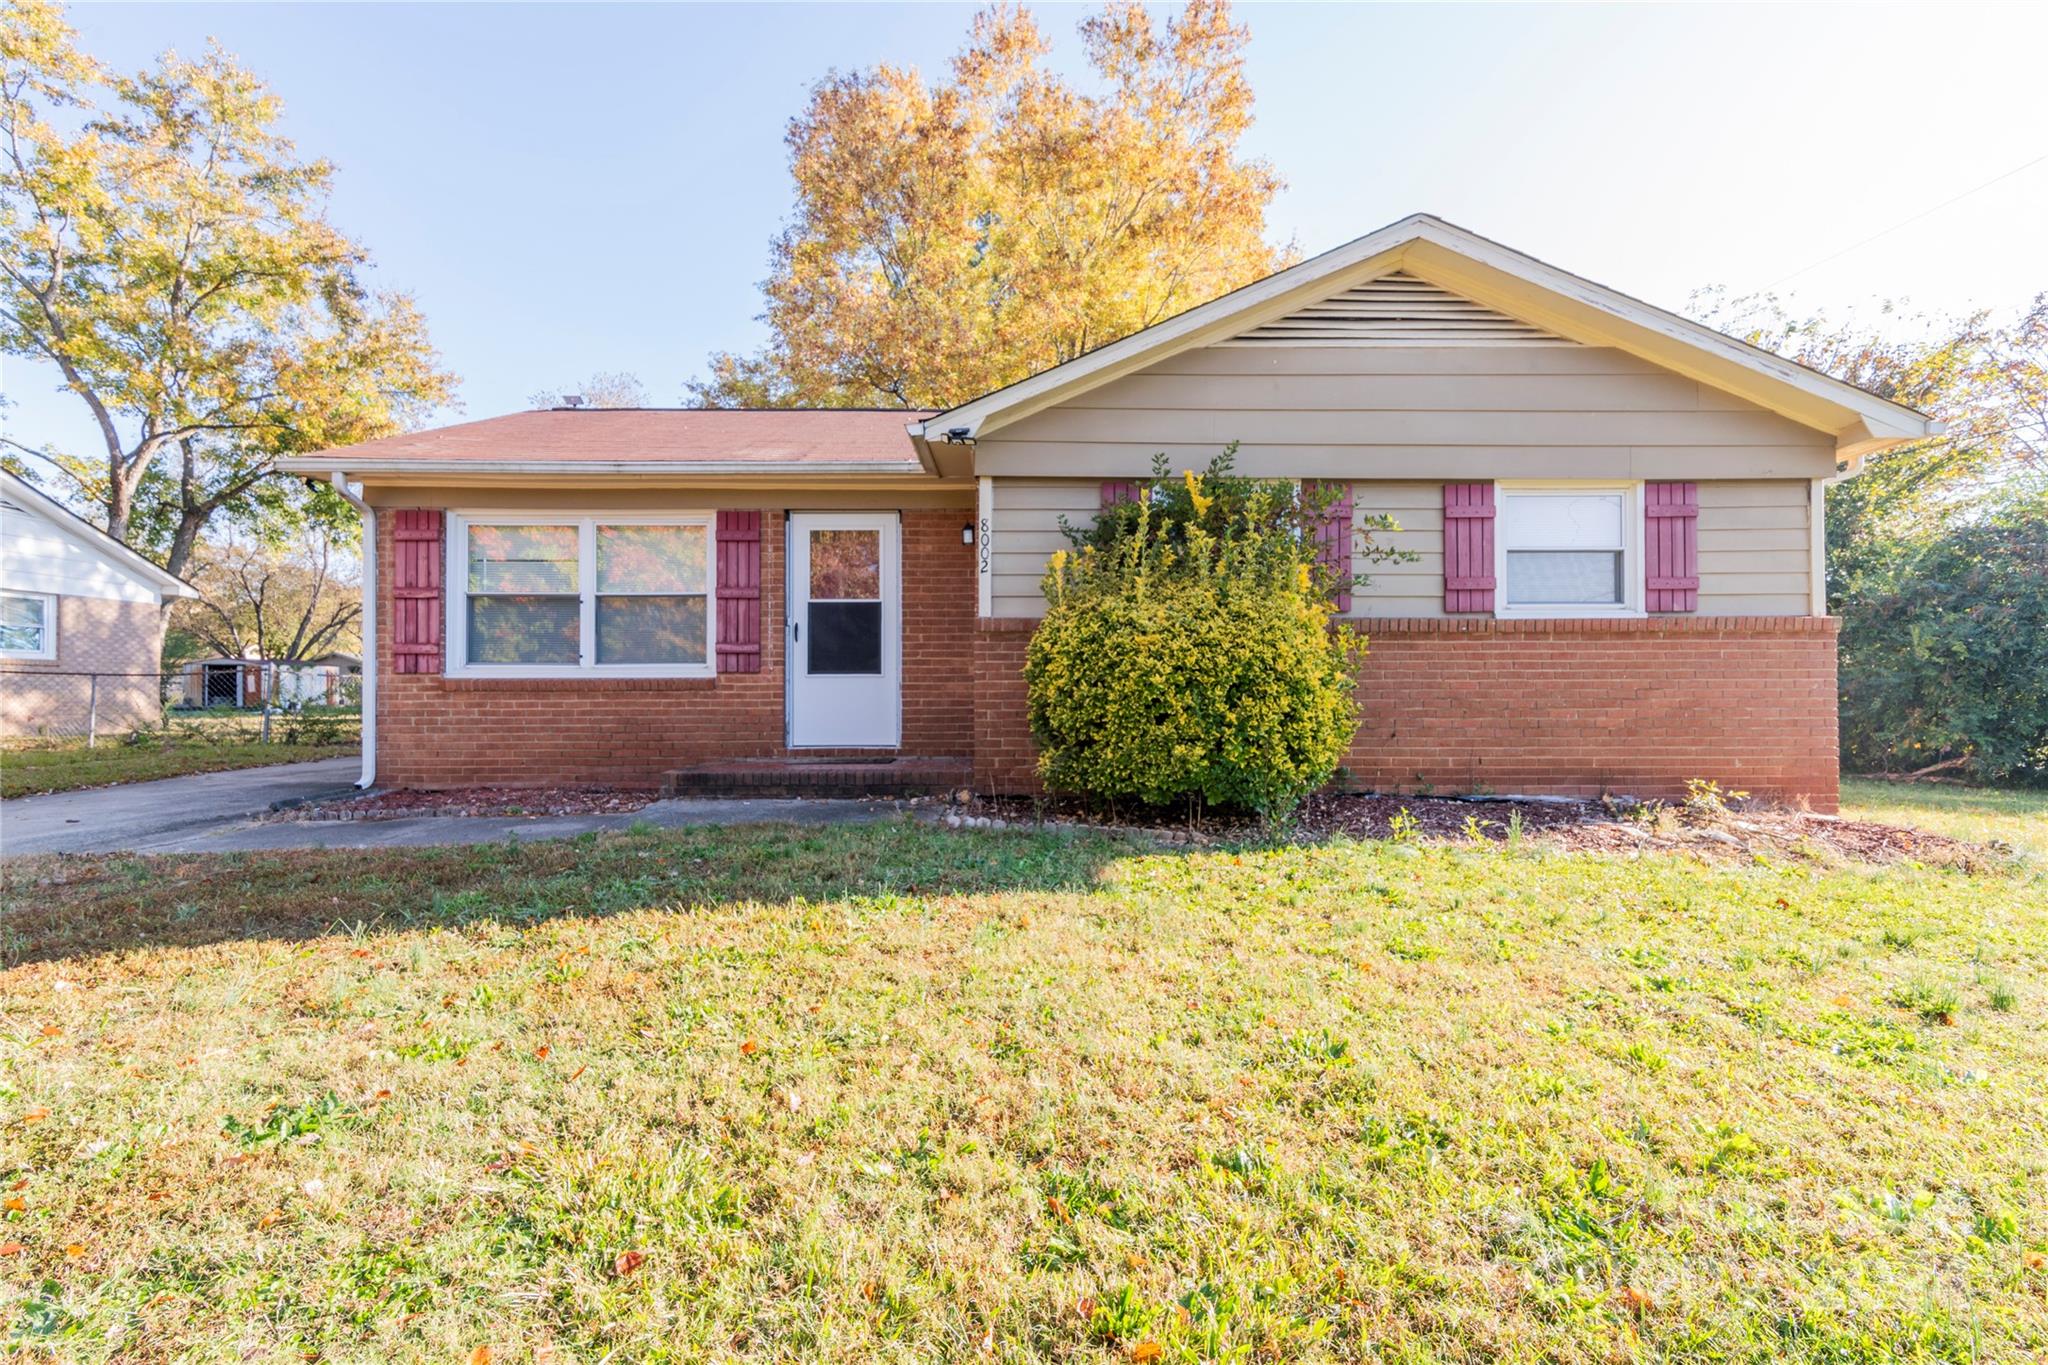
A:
[(1400, 310)]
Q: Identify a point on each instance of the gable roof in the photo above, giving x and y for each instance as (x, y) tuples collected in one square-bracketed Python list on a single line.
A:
[(640, 441), (1500, 281), (20, 493)]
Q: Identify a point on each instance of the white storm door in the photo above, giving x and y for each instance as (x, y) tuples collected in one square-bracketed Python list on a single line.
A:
[(845, 630)]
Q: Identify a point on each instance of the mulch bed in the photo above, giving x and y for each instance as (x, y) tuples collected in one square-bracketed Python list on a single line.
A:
[(1588, 826), (481, 801)]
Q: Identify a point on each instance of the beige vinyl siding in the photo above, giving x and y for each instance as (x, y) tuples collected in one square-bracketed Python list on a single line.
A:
[(1756, 554), (1411, 589), (1389, 412), (1026, 528)]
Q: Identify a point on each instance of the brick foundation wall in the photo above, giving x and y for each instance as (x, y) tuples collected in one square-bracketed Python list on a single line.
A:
[(1572, 708), (448, 732), (94, 635), (1005, 759)]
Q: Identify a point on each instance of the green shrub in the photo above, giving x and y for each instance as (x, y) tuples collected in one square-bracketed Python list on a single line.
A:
[(1944, 651), (1188, 651)]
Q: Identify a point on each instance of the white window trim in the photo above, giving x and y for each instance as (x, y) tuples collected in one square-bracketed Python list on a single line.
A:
[(49, 649), (455, 594), (1631, 603)]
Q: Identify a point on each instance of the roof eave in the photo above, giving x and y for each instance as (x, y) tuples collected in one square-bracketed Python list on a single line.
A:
[(315, 465)]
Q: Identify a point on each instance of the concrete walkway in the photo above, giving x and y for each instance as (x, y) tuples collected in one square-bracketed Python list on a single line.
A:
[(217, 813)]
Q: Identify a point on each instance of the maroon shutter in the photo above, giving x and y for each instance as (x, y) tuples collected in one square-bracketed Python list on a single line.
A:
[(739, 592), (1671, 546), (1468, 547), (1333, 540), (416, 609), (1115, 491)]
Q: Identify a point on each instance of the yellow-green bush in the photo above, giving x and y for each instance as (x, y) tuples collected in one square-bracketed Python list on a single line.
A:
[(1179, 662)]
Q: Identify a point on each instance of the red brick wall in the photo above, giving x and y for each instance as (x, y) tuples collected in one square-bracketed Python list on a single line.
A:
[(1005, 760), (1551, 707), (443, 732)]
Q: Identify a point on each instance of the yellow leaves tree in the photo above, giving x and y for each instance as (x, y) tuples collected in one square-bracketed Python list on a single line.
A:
[(952, 237), (167, 251)]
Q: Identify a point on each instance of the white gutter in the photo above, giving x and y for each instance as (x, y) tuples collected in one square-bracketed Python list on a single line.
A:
[(369, 697)]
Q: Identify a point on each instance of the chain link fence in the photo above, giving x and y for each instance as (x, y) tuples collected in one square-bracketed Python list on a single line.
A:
[(249, 701)]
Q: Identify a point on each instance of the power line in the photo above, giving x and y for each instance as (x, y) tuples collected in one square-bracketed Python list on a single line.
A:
[(1924, 213)]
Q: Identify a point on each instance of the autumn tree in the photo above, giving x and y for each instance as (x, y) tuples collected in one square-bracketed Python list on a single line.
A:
[(607, 389), (290, 600), (1937, 552), (166, 250), (951, 237)]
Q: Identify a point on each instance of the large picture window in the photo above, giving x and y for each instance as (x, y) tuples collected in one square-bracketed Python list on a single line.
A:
[(561, 596), (1568, 550)]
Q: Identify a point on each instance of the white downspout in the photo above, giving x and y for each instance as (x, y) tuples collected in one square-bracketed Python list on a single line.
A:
[(369, 699)]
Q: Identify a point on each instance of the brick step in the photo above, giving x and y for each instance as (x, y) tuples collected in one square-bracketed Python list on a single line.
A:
[(820, 777)]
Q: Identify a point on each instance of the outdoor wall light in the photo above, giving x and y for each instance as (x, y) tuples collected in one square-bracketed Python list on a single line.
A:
[(967, 534)]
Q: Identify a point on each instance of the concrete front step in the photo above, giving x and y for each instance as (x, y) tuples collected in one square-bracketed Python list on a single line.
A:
[(821, 777)]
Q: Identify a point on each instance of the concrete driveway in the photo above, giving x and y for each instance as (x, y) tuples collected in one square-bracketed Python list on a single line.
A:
[(151, 817), (218, 813)]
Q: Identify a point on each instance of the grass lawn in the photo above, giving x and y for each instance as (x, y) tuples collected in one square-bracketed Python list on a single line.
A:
[(2019, 818), (29, 771), (890, 1093)]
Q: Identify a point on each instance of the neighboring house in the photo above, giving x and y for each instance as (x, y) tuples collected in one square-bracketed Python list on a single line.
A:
[(246, 683), (74, 603), (1616, 516)]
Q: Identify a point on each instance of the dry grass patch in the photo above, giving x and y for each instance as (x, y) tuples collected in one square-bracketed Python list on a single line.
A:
[(893, 1093)]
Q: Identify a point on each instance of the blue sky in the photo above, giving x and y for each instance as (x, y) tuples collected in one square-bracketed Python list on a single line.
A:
[(575, 188)]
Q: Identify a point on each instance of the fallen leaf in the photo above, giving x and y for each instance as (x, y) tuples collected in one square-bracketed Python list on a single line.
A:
[(1637, 1300), (74, 1251), (2034, 1260), (749, 1048), (541, 1052), (52, 1031), (480, 1356), (11, 1248), (20, 1184), (15, 1204), (578, 1072), (1147, 1350), (626, 1262), (36, 1115), (269, 1219)]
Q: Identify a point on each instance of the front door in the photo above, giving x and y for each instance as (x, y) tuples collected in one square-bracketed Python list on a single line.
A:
[(845, 630)]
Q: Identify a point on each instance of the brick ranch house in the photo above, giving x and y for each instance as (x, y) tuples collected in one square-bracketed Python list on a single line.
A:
[(81, 623), (1616, 516)]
